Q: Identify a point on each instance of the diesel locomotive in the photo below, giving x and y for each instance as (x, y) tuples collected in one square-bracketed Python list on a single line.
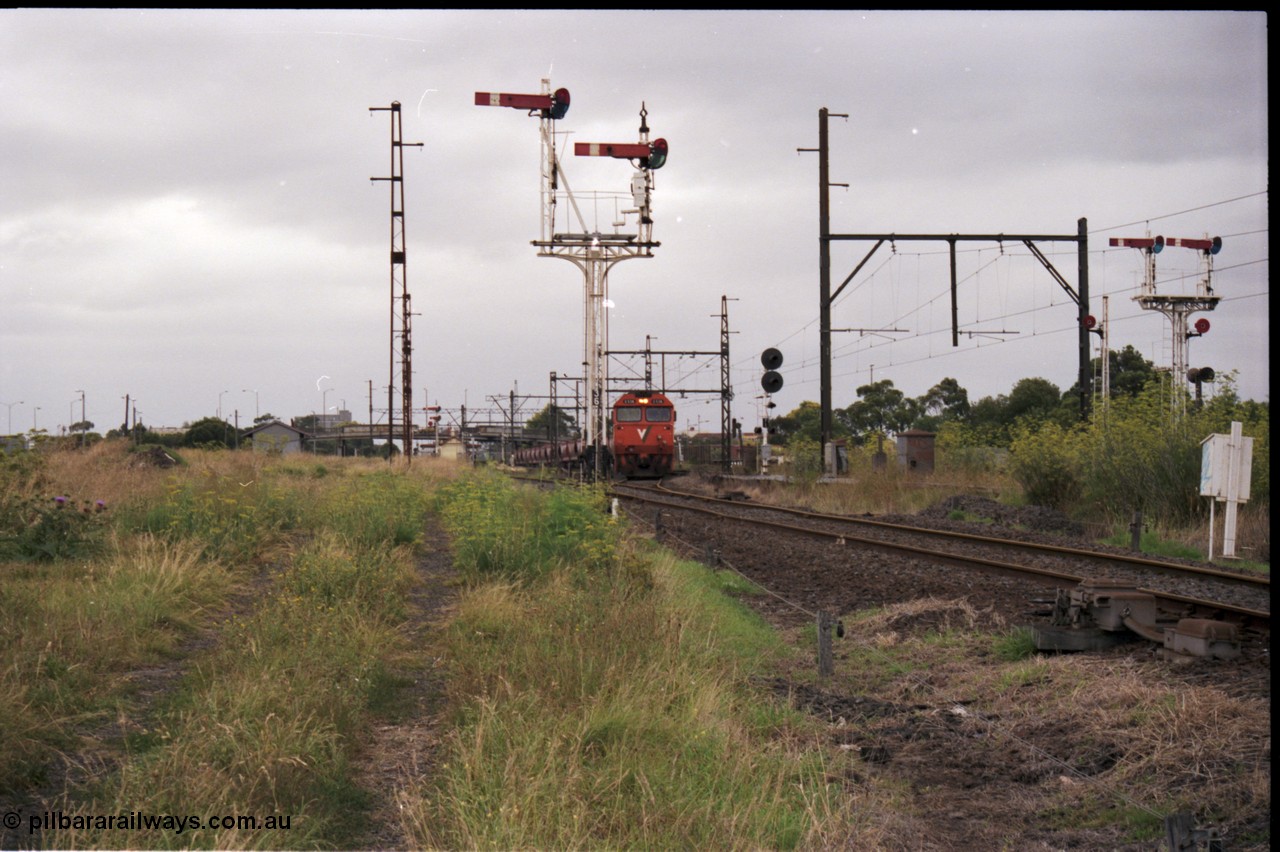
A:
[(641, 440)]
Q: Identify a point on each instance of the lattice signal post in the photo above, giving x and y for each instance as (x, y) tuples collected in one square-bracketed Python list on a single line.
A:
[(594, 252), (399, 300), (1177, 308)]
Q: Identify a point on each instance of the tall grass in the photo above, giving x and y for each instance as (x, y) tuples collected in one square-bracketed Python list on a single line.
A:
[(267, 721), (520, 534), (235, 520), (260, 716), (607, 705), (70, 632)]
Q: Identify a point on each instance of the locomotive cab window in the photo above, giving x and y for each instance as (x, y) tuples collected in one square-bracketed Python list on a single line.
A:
[(628, 415), (659, 415)]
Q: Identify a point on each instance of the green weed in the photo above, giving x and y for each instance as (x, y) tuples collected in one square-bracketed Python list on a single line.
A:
[(607, 705), (1017, 644)]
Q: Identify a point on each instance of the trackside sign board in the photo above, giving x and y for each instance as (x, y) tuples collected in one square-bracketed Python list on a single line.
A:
[(1225, 465)]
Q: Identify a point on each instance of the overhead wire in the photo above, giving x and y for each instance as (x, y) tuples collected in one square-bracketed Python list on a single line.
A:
[(863, 346)]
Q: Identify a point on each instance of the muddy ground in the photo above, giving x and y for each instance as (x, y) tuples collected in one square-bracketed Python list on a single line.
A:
[(971, 782)]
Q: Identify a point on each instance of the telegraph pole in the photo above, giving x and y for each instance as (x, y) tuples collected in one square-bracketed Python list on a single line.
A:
[(400, 281)]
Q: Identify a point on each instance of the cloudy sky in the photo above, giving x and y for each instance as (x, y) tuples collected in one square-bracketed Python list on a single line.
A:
[(187, 216)]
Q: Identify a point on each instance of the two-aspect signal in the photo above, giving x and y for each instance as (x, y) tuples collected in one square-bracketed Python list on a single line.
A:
[(771, 360)]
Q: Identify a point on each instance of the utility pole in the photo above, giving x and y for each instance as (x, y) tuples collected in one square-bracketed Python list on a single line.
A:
[(824, 286), (84, 429)]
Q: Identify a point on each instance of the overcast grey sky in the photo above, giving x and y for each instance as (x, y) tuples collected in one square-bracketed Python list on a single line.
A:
[(186, 215)]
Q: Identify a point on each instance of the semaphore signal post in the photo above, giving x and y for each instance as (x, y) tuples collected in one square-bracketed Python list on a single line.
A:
[(1177, 308), (593, 251)]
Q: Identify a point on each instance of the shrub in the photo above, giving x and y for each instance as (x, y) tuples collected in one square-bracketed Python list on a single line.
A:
[(1044, 461), (42, 528), (500, 530)]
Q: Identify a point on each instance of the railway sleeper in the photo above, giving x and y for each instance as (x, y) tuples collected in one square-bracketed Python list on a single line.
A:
[(1103, 613)]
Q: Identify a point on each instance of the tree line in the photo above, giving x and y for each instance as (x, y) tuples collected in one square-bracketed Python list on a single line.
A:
[(882, 409)]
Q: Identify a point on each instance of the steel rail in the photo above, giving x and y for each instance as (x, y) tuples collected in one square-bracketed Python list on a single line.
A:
[(1169, 568), (1252, 618)]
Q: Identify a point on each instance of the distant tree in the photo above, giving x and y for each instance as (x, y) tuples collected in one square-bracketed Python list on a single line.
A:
[(263, 418), (137, 433), (566, 426), (945, 402), (881, 409), (80, 426), (210, 431), (1130, 373), (990, 420), (804, 421), (1032, 398)]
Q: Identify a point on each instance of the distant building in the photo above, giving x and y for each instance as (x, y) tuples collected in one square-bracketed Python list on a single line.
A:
[(329, 422), (915, 450), (276, 437)]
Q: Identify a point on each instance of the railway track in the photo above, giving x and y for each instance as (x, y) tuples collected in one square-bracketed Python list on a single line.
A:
[(1188, 591)]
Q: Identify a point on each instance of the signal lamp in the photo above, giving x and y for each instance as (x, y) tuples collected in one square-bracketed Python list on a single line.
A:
[(657, 154), (559, 104)]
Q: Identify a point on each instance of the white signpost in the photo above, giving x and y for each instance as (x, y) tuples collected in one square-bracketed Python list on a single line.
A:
[(1225, 466)]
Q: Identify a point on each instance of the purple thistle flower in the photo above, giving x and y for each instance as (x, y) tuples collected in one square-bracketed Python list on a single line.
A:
[(61, 501)]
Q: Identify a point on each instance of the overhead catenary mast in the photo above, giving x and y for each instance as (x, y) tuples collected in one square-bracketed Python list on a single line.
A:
[(592, 251)]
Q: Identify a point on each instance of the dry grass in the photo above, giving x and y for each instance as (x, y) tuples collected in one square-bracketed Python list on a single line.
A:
[(105, 471), (1106, 744), (1253, 533), (888, 491)]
